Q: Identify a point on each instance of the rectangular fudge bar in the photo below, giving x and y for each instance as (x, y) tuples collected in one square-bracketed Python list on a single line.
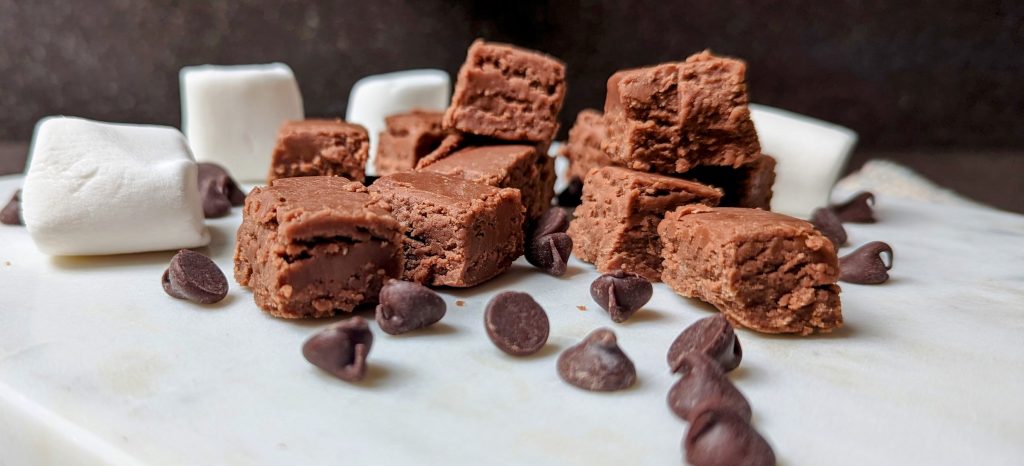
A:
[(457, 232), (674, 116), (584, 146), (315, 246), (749, 185), (506, 166), (509, 93), (320, 148), (764, 271), (616, 225), (408, 137)]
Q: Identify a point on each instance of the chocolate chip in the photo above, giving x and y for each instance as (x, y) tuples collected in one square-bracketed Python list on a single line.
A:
[(572, 196), (865, 264), (407, 306), (711, 336), (370, 179), (597, 363), (828, 223), (215, 203), (11, 213), (550, 253), (721, 437), (703, 381), (194, 277), (553, 220), (221, 181), (621, 293), (857, 209), (341, 349), (516, 323)]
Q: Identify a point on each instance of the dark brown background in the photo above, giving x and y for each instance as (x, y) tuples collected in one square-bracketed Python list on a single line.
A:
[(935, 85)]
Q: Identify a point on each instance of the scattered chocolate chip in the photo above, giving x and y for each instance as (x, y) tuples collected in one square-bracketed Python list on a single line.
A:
[(341, 349), (370, 179), (215, 203), (572, 196), (516, 323), (711, 336), (11, 213), (857, 209), (621, 293), (703, 381), (217, 188), (828, 223), (865, 264), (550, 253), (553, 220), (721, 437), (407, 306), (194, 277), (597, 363)]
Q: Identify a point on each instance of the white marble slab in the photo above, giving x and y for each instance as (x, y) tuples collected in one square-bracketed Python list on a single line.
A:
[(98, 366)]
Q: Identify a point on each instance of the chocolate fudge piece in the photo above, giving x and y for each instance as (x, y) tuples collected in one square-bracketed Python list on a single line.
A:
[(320, 147), (508, 93), (764, 271), (749, 185), (408, 138), (457, 232), (314, 246), (616, 225), (675, 116), (584, 146), (506, 166)]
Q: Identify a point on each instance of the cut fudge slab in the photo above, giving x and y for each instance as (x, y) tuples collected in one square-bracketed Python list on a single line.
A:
[(457, 232), (749, 185), (584, 146), (320, 148), (674, 116), (315, 246), (506, 166), (408, 137), (508, 93), (616, 225), (764, 271)]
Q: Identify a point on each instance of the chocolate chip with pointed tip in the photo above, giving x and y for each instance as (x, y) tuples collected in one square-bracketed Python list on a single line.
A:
[(550, 253), (516, 323), (407, 306), (711, 336), (720, 436), (194, 277), (827, 222), (857, 209), (597, 363), (621, 293), (553, 220), (572, 195), (865, 264), (341, 349), (702, 380), (218, 176), (11, 213)]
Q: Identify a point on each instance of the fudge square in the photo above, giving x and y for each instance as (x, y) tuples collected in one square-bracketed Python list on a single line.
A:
[(506, 166), (457, 233), (616, 225), (749, 185), (508, 93), (584, 146), (407, 138), (674, 116), (762, 270), (320, 148), (315, 246)]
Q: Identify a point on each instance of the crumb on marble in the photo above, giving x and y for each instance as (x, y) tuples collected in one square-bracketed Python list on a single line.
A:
[(460, 302), (581, 307)]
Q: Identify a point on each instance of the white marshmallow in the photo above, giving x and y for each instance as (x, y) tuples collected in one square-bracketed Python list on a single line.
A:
[(811, 154), (375, 97), (231, 114), (100, 188)]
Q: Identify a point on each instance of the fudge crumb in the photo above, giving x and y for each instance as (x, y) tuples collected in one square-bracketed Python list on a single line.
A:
[(581, 307), (460, 303)]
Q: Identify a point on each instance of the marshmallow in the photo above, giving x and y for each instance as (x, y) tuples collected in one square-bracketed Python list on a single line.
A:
[(375, 97), (231, 114), (810, 155), (101, 188)]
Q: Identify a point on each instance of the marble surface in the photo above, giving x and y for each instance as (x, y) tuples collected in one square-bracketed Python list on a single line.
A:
[(99, 366)]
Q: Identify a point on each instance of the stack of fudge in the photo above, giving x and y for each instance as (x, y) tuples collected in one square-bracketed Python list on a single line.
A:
[(675, 188), (455, 193)]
